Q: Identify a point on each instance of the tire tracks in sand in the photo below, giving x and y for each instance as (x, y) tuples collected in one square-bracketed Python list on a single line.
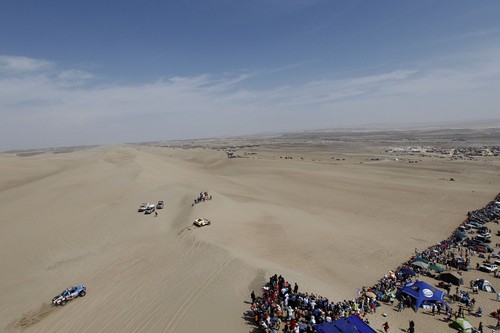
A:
[(30, 318)]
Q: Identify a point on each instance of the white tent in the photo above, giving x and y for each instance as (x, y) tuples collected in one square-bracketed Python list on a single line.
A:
[(484, 285), (488, 287)]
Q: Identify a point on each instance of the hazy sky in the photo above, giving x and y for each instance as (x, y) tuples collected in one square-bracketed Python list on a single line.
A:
[(98, 72)]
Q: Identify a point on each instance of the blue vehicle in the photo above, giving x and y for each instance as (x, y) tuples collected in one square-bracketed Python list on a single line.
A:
[(69, 294)]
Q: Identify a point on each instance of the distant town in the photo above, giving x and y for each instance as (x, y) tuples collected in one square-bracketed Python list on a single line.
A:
[(453, 152)]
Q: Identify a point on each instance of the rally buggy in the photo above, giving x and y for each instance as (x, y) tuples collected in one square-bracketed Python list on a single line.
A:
[(69, 294)]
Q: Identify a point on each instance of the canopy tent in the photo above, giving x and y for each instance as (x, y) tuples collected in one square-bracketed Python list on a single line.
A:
[(451, 278), (484, 285), (436, 268), (425, 261), (420, 264), (462, 325), (407, 271), (350, 324), (422, 293)]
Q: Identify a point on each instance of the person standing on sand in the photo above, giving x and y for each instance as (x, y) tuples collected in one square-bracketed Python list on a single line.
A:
[(252, 295), (386, 327), (400, 306), (448, 316), (411, 329)]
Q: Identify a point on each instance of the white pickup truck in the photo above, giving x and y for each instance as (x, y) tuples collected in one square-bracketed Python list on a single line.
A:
[(149, 209)]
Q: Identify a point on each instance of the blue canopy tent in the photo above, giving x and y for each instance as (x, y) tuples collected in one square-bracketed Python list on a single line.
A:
[(350, 324), (422, 292), (407, 271)]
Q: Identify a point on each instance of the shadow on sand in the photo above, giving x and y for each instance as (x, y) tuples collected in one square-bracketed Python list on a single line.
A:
[(250, 321)]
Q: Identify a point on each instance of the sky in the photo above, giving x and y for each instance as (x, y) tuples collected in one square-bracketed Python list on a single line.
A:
[(108, 72)]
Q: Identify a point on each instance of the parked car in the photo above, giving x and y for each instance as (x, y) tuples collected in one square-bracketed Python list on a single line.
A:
[(149, 209), (474, 225), (201, 222), (483, 239), (142, 207), (489, 268), (482, 248), (69, 294), (471, 243), (159, 205), (484, 233)]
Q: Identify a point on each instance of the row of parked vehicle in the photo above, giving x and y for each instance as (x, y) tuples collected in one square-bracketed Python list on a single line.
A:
[(479, 243), (149, 208), (476, 224)]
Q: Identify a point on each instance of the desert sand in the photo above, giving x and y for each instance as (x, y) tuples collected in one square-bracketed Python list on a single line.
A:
[(331, 217)]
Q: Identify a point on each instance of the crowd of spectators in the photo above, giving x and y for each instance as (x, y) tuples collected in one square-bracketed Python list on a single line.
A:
[(282, 306), (453, 252)]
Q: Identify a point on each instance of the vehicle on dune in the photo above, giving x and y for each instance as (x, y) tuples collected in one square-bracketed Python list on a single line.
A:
[(142, 207), (69, 294), (149, 209), (201, 222)]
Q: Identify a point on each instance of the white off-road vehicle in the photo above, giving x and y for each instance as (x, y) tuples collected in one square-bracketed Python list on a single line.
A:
[(142, 207), (201, 222), (149, 209), (69, 294)]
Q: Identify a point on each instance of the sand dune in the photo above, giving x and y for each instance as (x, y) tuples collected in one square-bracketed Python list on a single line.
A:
[(330, 226)]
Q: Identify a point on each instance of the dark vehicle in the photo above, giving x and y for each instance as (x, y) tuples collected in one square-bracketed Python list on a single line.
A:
[(159, 205), (472, 242), (482, 248), (69, 294), (482, 239), (484, 233)]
